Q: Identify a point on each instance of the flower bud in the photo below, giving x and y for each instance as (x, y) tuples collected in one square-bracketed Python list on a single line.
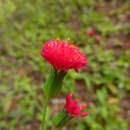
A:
[(91, 32)]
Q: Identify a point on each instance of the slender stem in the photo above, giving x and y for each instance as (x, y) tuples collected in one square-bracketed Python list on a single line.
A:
[(43, 124)]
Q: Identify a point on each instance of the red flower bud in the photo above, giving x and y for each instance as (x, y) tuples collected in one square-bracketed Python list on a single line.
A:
[(91, 32)]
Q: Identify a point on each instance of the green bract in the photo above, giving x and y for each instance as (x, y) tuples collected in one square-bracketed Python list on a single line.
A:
[(54, 83), (61, 119)]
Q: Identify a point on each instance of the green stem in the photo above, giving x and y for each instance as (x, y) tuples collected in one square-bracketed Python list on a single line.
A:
[(43, 124)]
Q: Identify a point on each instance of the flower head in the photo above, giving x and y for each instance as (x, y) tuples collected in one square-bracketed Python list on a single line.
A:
[(63, 56), (73, 109), (91, 32)]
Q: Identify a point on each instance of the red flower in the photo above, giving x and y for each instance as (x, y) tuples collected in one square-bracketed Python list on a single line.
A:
[(63, 56), (73, 109), (91, 32)]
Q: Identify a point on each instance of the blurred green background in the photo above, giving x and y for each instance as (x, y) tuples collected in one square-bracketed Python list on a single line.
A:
[(105, 84)]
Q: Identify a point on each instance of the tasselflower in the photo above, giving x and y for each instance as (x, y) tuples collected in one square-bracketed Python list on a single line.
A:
[(63, 56), (73, 108)]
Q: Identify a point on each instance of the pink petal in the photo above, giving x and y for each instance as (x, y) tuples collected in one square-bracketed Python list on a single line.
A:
[(84, 114), (83, 106)]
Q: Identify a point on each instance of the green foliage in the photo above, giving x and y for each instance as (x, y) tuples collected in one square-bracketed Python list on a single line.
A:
[(26, 24)]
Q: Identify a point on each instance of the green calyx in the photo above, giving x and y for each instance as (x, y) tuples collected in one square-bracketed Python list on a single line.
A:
[(54, 83), (61, 119)]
